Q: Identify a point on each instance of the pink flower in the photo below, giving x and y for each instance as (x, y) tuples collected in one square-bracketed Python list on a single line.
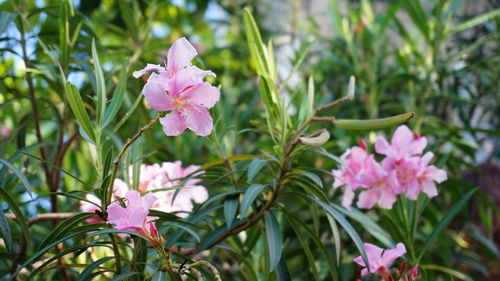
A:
[(166, 179), (353, 162), (403, 143), (134, 215), (381, 185), (425, 177), (379, 258), (179, 88), (119, 190)]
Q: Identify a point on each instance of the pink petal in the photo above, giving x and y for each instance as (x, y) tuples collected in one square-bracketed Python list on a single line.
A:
[(389, 256), (429, 188), (173, 123), (348, 197), (427, 158), (368, 199), (149, 68), (180, 55), (198, 119), (402, 137), (386, 199), (202, 94), (417, 146), (156, 95), (149, 200), (438, 175), (359, 260), (413, 190), (189, 76), (383, 147)]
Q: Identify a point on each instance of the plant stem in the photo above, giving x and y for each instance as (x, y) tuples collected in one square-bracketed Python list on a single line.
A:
[(118, 158), (116, 252)]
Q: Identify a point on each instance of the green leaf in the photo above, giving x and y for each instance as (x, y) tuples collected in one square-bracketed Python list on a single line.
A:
[(5, 230), (159, 276), (313, 177), (450, 271), (476, 20), (446, 220), (282, 272), (87, 272), (101, 87), (230, 208), (217, 233), (6, 18), (274, 241), (373, 124), (249, 197), (255, 44), (255, 166), (20, 219), (76, 105), (64, 228), (345, 224), (126, 116), (118, 95), (19, 174)]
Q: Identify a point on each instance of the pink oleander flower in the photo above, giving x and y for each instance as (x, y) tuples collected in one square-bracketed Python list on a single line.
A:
[(119, 190), (135, 215), (381, 185), (403, 143), (425, 178), (354, 161), (379, 259), (170, 175), (5, 131), (178, 87)]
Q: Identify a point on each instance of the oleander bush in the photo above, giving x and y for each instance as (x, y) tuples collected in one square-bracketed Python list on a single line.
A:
[(192, 140)]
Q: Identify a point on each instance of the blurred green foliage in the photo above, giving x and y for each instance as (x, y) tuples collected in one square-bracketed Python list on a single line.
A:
[(428, 57)]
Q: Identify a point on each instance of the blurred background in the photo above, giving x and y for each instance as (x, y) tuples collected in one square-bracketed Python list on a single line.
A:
[(437, 58)]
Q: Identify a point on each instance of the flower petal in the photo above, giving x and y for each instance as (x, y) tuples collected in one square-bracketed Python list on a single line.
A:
[(198, 119), (368, 198), (156, 95), (389, 256), (202, 94), (149, 68), (187, 77), (383, 147), (180, 55), (173, 123)]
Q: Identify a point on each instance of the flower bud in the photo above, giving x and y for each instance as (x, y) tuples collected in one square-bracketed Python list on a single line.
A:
[(316, 139)]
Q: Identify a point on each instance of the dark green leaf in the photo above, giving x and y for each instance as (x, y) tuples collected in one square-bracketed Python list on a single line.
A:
[(76, 104), (20, 175), (249, 197), (230, 208), (87, 272), (5, 19), (282, 272), (5, 230), (274, 242), (255, 166)]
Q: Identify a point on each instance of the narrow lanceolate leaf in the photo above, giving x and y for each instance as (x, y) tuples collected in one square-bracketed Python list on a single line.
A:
[(101, 86), (118, 96), (373, 124), (345, 224), (19, 215), (19, 174), (477, 20), (5, 19), (273, 236), (249, 197), (446, 220), (123, 276), (64, 228), (255, 44), (313, 177), (76, 104), (282, 272), (87, 273), (255, 166), (5, 230), (217, 233), (230, 208)]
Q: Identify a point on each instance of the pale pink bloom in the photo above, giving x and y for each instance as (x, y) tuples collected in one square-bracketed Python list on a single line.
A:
[(424, 180), (379, 258), (381, 186), (119, 190), (171, 176), (5, 131), (179, 88), (403, 143), (134, 216), (353, 162)]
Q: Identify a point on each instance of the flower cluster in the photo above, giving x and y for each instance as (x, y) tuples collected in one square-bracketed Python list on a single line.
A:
[(403, 170), (379, 261), (163, 180), (179, 88)]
